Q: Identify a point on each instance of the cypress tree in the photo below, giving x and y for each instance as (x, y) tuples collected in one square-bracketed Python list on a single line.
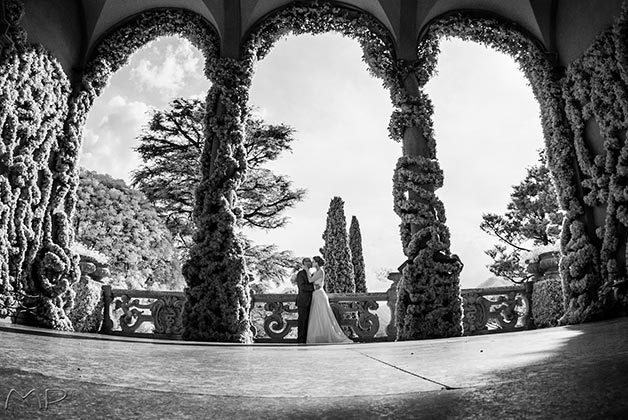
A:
[(357, 256), (338, 268)]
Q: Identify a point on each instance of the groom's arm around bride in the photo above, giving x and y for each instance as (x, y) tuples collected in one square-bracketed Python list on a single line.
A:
[(304, 299)]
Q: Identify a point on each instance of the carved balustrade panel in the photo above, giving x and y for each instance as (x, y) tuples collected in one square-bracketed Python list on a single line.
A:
[(499, 309), (143, 312), (132, 313), (356, 314), (167, 314), (274, 316)]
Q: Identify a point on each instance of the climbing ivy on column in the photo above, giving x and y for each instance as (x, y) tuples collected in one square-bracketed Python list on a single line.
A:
[(562, 101), (442, 318), (109, 55), (218, 301), (429, 303), (34, 256), (595, 90), (580, 263)]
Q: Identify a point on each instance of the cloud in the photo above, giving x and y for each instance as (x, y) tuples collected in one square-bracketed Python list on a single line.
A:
[(110, 135), (167, 69)]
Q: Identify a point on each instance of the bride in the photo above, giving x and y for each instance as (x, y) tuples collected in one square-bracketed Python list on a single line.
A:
[(322, 325)]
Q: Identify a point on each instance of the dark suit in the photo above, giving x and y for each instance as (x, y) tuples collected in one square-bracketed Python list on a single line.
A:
[(304, 300)]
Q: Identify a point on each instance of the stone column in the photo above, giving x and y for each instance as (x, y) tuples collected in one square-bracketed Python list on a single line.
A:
[(594, 264), (429, 303), (218, 294), (36, 266)]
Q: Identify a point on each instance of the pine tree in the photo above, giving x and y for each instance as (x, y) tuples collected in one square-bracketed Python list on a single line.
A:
[(357, 256), (533, 218), (171, 147), (339, 277)]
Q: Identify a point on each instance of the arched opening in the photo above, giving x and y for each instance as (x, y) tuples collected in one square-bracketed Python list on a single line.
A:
[(319, 85), (488, 131), (577, 232), (108, 56), (144, 254), (424, 236)]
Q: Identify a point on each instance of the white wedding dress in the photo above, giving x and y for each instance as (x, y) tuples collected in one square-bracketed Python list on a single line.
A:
[(322, 326)]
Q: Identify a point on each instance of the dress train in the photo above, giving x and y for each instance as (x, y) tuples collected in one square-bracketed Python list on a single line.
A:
[(322, 325)]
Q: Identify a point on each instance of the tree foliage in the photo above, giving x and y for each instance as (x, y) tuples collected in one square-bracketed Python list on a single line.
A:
[(122, 224), (357, 255), (268, 266), (171, 147), (339, 276), (533, 218)]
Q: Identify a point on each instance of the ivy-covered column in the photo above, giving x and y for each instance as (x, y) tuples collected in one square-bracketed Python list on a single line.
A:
[(218, 300), (595, 92), (580, 244), (35, 264), (429, 303)]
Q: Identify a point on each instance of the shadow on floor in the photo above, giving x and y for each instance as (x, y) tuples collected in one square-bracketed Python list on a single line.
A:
[(585, 376)]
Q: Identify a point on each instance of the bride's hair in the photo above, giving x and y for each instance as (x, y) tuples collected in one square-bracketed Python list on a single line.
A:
[(319, 260)]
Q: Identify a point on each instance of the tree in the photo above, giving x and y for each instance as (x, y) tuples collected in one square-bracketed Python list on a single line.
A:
[(171, 146), (339, 277), (122, 224), (357, 256), (533, 218), (268, 266)]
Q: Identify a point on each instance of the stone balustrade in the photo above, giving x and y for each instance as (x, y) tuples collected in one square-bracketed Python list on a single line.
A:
[(365, 317), (360, 315), (152, 313), (497, 309)]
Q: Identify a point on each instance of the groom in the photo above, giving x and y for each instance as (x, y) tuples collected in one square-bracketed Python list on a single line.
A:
[(304, 299)]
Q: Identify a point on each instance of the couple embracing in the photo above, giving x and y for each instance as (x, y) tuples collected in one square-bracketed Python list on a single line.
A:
[(317, 323)]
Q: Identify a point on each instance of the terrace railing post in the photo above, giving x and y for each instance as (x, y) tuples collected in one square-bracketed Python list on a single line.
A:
[(391, 329), (529, 285), (251, 306), (107, 323)]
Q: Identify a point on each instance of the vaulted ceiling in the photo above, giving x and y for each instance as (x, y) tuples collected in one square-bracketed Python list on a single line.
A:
[(72, 28)]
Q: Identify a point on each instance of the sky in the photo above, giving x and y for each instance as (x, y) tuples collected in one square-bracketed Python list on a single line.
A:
[(486, 124)]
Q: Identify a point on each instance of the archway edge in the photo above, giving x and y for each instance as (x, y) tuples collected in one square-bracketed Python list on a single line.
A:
[(547, 80), (261, 33), (436, 27), (112, 50), (480, 15)]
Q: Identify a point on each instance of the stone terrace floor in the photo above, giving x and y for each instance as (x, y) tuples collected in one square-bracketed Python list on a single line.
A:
[(573, 372)]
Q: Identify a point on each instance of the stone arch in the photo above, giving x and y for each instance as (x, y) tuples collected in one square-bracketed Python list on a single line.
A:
[(545, 78), (221, 282), (113, 50), (110, 53), (499, 33), (439, 313), (117, 44), (314, 18)]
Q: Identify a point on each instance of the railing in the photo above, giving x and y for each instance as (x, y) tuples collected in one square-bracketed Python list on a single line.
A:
[(124, 313), (274, 316), (364, 317), (496, 309)]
